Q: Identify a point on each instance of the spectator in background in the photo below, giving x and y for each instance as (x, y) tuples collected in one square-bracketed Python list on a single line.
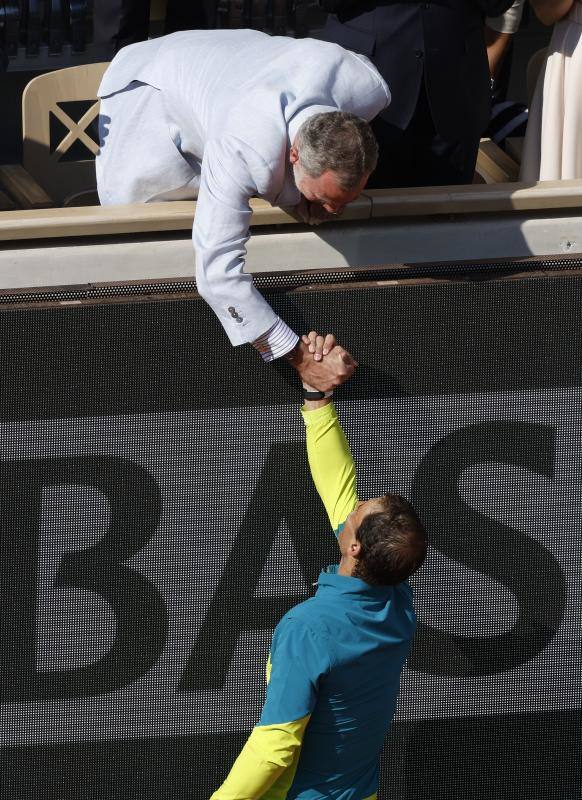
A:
[(499, 32), (508, 118), (117, 23), (433, 57), (553, 142)]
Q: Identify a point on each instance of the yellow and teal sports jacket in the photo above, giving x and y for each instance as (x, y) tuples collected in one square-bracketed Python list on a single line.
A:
[(334, 670)]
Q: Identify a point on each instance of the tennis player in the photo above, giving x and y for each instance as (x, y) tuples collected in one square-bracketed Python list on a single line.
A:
[(334, 669)]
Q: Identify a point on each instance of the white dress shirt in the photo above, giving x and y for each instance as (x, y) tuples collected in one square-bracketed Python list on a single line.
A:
[(212, 114)]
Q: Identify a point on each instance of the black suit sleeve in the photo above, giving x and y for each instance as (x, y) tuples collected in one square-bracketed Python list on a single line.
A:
[(492, 8), (488, 8), (343, 7)]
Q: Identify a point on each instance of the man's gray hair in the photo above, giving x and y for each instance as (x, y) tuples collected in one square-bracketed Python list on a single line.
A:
[(340, 142)]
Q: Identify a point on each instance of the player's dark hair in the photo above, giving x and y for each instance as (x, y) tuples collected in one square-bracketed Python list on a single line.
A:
[(392, 543)]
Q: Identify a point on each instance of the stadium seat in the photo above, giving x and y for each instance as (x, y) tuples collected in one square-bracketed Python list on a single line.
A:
[(494, 165), (60, 140)]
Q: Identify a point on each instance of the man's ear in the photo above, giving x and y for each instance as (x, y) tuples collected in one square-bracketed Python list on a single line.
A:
[(355, 548), (293, 154)]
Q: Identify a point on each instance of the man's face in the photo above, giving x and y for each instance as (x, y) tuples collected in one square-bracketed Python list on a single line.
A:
[(347, 536), (325, 190)]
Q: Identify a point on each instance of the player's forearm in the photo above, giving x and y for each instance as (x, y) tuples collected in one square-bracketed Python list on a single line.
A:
[(330, 460), (313, 405), (249, 778), (270, 751)]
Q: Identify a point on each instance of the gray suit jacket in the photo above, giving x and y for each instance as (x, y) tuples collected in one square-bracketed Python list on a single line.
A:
[(234, 100)]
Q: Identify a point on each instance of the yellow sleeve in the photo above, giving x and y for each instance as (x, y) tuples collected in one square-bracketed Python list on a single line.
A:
[(331, 463), (266, 765)]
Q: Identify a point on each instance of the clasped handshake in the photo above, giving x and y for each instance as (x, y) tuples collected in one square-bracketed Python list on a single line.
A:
[(321, 362)]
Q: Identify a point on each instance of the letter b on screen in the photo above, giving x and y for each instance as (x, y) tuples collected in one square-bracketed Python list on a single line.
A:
[(141, 618)]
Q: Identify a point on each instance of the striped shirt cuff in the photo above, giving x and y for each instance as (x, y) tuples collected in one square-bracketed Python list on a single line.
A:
[(277, 341)]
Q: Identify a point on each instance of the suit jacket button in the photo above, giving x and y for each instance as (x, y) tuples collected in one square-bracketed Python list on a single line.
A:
[(234, 314), (418, 53)]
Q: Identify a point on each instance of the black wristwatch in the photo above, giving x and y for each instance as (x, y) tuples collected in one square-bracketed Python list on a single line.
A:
[(315, 394)]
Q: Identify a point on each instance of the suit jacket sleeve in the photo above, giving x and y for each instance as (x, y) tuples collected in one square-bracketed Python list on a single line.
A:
[(230, 173), (489, 8), (493, 8)]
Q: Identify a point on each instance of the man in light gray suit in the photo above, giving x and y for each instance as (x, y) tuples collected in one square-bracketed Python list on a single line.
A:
[(227, 115)]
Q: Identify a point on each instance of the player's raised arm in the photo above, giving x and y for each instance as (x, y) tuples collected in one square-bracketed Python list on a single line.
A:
[(334, 648), (330, 459)]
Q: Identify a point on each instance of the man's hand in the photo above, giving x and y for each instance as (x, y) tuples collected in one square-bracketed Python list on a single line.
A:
[(325, 374), (318, 344)]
